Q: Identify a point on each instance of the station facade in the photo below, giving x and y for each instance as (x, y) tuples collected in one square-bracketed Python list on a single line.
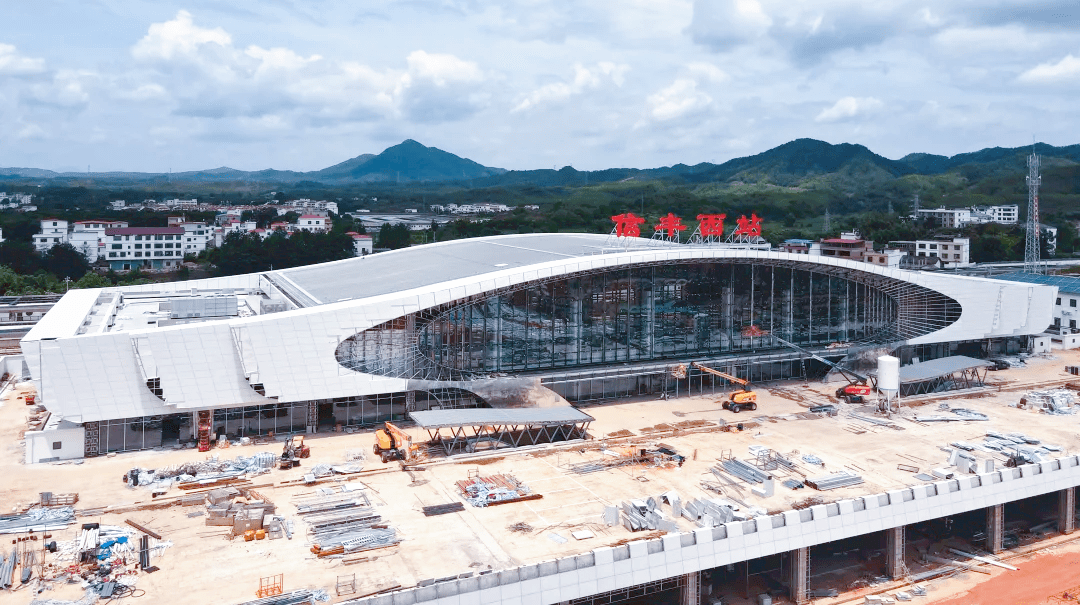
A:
[(593, 318)]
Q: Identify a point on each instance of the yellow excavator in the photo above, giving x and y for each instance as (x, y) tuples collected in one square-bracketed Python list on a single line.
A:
[(745, 399), (392, 442)]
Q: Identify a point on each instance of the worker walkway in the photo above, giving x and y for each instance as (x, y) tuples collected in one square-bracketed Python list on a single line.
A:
[(467, 430)]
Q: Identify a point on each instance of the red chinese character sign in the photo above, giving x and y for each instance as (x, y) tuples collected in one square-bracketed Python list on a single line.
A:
[(670, 223), (749, 227), (627, 224), (711, 225)]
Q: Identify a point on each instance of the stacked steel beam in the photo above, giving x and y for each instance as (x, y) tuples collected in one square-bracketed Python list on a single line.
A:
[(834, 481), (344, 523)]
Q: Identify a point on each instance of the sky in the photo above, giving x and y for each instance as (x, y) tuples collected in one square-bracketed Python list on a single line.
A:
[(525, 84)]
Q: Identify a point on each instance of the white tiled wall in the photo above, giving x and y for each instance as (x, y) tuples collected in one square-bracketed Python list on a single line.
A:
[(611, 568)]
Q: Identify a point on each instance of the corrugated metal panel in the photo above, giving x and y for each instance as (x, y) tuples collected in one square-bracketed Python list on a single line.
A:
[(433, 419)]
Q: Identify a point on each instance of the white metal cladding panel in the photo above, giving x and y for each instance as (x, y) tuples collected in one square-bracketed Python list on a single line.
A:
[(248, 280), (595, 572), (95, 378), (200, 367), (294, 351)]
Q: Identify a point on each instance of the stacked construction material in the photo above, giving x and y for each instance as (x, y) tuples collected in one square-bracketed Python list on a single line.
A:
[(295, 597), (744, 470), (497, 489), (1052, 401), (206, 472), (241, 515), (38, 519), (834, 480), (344, 523), (661, 456)]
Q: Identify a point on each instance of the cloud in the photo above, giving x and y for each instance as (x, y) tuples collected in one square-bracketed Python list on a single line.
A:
[(177, 38), (848, 108), (211, 78), (585, 79), (1065, 70), (442, 69), (707, 71), (12, 63), (678, 100)]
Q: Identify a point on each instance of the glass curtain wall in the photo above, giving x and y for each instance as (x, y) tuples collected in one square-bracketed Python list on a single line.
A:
[(651, 312)]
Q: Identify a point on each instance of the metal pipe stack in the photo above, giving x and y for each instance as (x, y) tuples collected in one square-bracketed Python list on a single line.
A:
[(7, 570), (833, 481), (744, 470)]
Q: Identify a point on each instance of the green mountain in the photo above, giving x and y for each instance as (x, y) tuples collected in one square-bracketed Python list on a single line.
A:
[(799, 163), (406, 161)]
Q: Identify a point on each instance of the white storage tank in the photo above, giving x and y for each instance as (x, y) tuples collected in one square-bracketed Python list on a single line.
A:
[(888, 373)]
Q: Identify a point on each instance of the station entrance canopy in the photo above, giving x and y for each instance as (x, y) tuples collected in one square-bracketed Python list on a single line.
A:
[(466, 430)]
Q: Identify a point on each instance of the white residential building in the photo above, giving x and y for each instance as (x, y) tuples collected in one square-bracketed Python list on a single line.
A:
[(951, 252), (951, 218), (313, 223), (1007, 215), (197, 237), (363, 243), (53, 231), (178, 203), (975, 215), (889, 257), (118, 204), (86, 236), (144, 247)]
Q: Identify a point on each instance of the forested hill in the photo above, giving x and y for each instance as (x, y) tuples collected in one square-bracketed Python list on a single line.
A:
[(799, 163)]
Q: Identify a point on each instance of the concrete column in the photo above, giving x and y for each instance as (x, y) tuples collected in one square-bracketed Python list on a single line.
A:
[(894, 552), (800, 575), (995, 528), (1067, 510), (691, 592)]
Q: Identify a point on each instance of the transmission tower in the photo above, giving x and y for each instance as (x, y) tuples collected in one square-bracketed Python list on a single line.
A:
[(828, 223), (1031, 246)]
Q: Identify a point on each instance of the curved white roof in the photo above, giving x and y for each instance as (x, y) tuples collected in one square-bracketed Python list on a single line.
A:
[(211, 364)]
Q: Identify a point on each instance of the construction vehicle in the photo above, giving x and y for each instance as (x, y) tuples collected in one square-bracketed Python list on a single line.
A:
[(856, 388), (392, 442), (293, 451), (745, 399)]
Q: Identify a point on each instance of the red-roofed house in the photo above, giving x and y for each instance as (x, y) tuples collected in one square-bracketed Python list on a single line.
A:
[(313, 223), (362, 242)]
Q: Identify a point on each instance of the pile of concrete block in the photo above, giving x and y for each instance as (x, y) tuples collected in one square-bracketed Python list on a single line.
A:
[(241, 510)]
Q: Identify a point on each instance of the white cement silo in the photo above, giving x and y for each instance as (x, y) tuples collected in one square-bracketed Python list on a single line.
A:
[(888, 383)]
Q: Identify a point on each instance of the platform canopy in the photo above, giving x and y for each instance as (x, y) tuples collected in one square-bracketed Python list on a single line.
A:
[(936, 368), (435, 419), (938, 375), (468, 429)]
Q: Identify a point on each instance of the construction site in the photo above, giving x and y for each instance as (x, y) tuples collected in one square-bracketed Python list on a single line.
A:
[(777, 505), (544, 419)]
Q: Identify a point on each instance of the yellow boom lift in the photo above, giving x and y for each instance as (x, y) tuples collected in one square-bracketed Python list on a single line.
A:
[(392, 442), (745, 399)]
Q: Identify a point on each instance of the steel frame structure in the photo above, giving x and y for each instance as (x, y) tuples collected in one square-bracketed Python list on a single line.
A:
[(967, 378), (393, 348), (678, 582), (514, 435)]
